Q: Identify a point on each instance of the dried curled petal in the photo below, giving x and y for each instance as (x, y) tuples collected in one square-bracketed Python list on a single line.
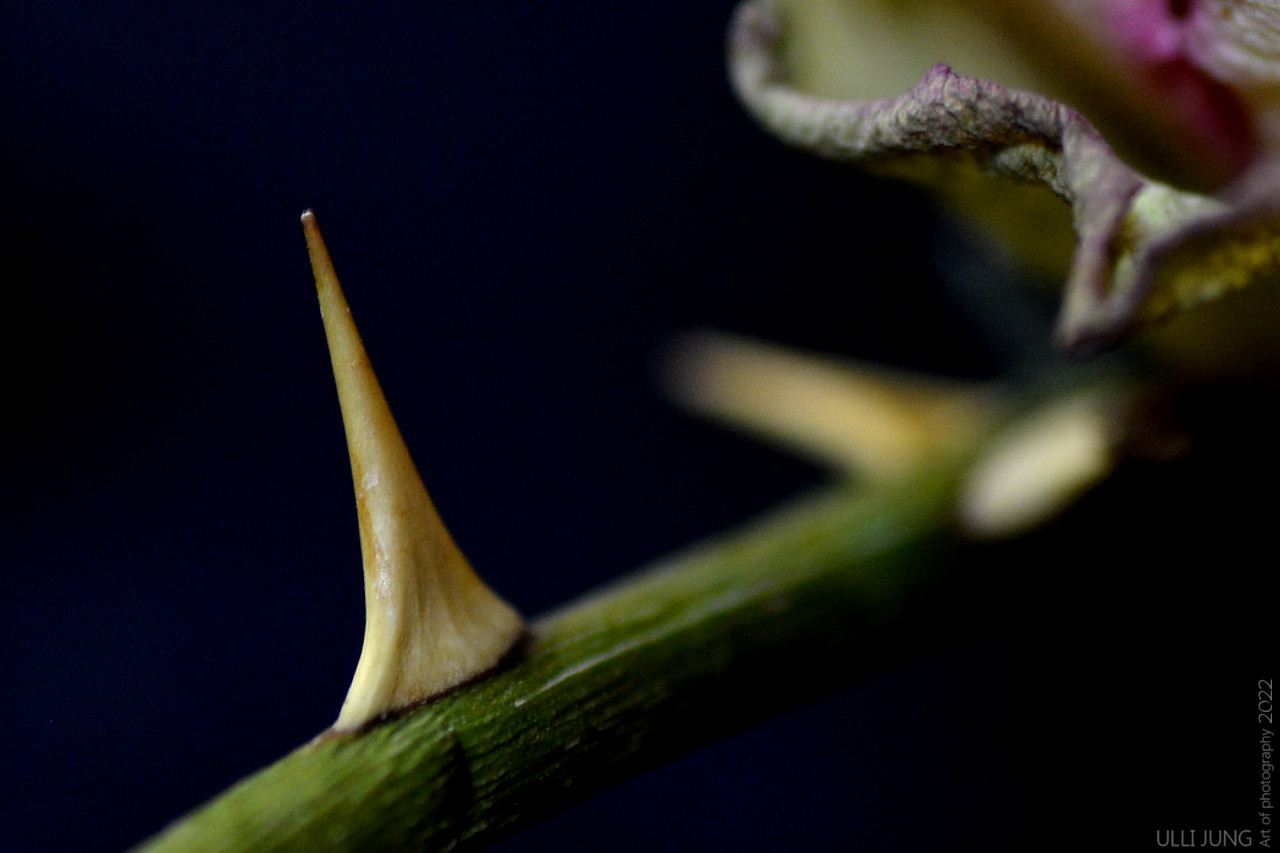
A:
[(1144, 249)]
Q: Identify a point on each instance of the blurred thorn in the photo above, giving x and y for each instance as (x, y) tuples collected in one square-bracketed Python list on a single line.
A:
[(859, 418), (1042, 464)]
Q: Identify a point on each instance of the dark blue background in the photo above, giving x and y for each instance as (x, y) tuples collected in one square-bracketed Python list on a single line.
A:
[(524, 205)]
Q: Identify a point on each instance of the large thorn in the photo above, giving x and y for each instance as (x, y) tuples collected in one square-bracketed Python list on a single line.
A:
[(430, 622)]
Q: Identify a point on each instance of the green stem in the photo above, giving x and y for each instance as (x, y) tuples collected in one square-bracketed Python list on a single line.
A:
[(630, 676)]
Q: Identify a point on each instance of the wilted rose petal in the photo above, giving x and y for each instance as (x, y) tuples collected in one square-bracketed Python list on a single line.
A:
[(1162, 45), (1144, 249)]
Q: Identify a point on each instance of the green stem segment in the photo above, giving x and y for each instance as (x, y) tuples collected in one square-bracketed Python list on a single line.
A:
[(630, 676)]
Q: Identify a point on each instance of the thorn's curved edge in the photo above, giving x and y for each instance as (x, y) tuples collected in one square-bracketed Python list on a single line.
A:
[(431, 624)]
